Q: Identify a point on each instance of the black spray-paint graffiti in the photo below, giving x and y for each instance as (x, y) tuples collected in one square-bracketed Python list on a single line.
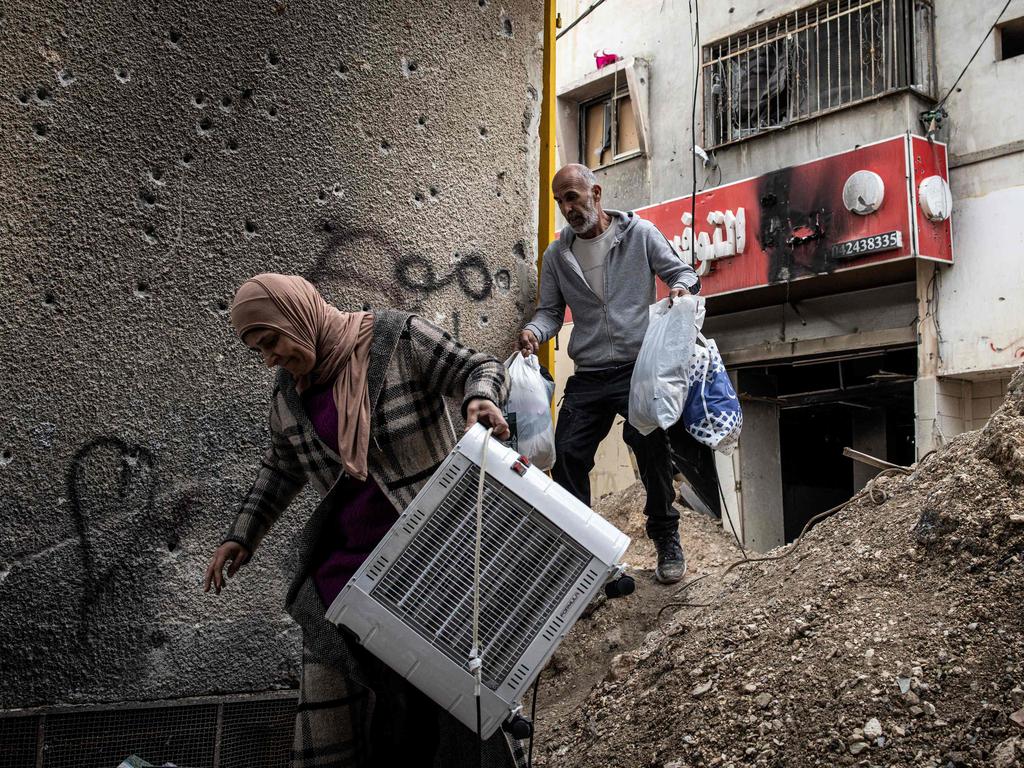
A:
[(112, 490), (474, 278), (404, 283), (336, 263)]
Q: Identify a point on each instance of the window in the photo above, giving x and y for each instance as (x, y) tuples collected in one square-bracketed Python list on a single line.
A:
[(603, 118), (607, 130), (815, 60), (1011, 39)]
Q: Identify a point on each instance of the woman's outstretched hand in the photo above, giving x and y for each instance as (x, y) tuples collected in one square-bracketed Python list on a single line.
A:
[(487, 413), (229, 553)]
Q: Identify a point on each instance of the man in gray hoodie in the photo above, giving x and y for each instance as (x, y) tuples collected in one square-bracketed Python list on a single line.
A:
[(602, 267)]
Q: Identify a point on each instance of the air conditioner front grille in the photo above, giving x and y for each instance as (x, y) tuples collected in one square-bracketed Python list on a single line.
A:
[(527, 566)]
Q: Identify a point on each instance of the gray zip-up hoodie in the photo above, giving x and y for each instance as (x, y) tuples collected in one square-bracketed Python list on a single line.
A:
[(607, 334)]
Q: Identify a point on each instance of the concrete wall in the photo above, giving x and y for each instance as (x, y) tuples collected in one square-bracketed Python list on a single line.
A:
[(153, 157), (983, 110), (947, 406), (980, 322)]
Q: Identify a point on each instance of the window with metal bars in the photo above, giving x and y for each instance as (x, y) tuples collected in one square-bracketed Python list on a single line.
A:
[(812, 61)]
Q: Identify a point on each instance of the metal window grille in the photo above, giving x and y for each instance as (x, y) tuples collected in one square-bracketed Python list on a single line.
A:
[(230, 732), (813, 61)]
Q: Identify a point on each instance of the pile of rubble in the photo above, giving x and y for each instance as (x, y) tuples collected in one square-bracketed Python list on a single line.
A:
[(892, 635)]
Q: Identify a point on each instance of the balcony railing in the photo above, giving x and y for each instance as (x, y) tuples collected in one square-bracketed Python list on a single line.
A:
[(813, 61)]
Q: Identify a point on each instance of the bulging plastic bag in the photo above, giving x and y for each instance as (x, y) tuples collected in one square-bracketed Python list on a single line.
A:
[(657, 391), (712, 414), (529, 411)]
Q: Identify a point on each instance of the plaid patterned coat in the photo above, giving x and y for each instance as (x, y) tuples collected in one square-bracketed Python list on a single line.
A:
[(414, 365)]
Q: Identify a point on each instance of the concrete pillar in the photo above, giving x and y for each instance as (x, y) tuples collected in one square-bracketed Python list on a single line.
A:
[(925, 387), (153, 157), (869, 436), (760, 465)]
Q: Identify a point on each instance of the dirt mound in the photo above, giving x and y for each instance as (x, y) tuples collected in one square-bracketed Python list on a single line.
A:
[(892, 636)]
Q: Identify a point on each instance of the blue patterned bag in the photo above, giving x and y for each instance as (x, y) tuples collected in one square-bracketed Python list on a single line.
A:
[(712, 414)]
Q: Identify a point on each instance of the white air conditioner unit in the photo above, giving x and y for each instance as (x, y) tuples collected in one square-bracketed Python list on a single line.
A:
[(544, 557)]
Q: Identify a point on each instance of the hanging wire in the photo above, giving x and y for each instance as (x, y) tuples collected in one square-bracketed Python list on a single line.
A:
[(579, 18), (533, 718), (971, 61)]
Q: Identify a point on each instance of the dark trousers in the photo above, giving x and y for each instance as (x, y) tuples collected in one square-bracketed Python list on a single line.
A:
[(592, 400), (696, 462)]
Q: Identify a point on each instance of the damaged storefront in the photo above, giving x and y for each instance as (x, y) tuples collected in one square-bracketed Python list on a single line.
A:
[(818, 280)]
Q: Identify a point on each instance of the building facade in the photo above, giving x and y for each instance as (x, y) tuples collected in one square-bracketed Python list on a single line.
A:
[(855, 216)]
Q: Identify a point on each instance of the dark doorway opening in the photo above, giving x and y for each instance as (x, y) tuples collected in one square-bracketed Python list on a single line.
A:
[(815, 474), (864, 400)]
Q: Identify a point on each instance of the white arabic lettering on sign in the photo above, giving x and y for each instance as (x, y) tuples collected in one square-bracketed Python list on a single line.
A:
[(728, 238)]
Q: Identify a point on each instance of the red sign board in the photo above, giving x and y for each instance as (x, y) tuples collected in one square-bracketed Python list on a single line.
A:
[(875, 204)]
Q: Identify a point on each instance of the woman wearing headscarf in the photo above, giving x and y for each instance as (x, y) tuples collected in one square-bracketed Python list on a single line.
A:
[(357, 411)]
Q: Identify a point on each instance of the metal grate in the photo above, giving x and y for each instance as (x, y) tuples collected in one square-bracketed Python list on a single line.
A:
[(19, 737), (181, 735), (255, 732), (527, 566), (813, 61)]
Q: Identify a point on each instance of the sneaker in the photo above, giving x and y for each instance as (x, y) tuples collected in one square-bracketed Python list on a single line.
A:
[(671, 561)]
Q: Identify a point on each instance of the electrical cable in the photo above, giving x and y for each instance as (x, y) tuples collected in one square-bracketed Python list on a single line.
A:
[(725, 511), (533, 719), (579, 18), (971, 60)]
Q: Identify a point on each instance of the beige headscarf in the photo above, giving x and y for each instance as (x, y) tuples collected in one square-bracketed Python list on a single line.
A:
[(340, 341)]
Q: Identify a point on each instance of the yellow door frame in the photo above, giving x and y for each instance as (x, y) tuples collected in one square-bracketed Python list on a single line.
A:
[(545, 203)]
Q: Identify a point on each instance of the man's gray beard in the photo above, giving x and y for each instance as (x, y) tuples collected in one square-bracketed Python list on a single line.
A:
[(589, 222)]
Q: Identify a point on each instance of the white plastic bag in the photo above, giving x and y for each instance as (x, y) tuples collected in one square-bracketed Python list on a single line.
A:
[(529, 411), (657, 391)]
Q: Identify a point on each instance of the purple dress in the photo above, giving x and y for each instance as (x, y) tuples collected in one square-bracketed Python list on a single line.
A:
[(360, 522)]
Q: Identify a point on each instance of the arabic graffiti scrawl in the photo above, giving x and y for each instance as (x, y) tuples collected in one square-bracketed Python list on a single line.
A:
[(470, 273), (400, 279)]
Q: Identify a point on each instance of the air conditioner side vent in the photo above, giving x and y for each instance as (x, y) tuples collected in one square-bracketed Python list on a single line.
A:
[(449, 476), (377, 567), (413, 521), (517, 677)]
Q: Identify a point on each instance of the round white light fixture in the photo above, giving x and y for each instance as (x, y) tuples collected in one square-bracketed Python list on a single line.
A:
[(935, 199), (863, 192)]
